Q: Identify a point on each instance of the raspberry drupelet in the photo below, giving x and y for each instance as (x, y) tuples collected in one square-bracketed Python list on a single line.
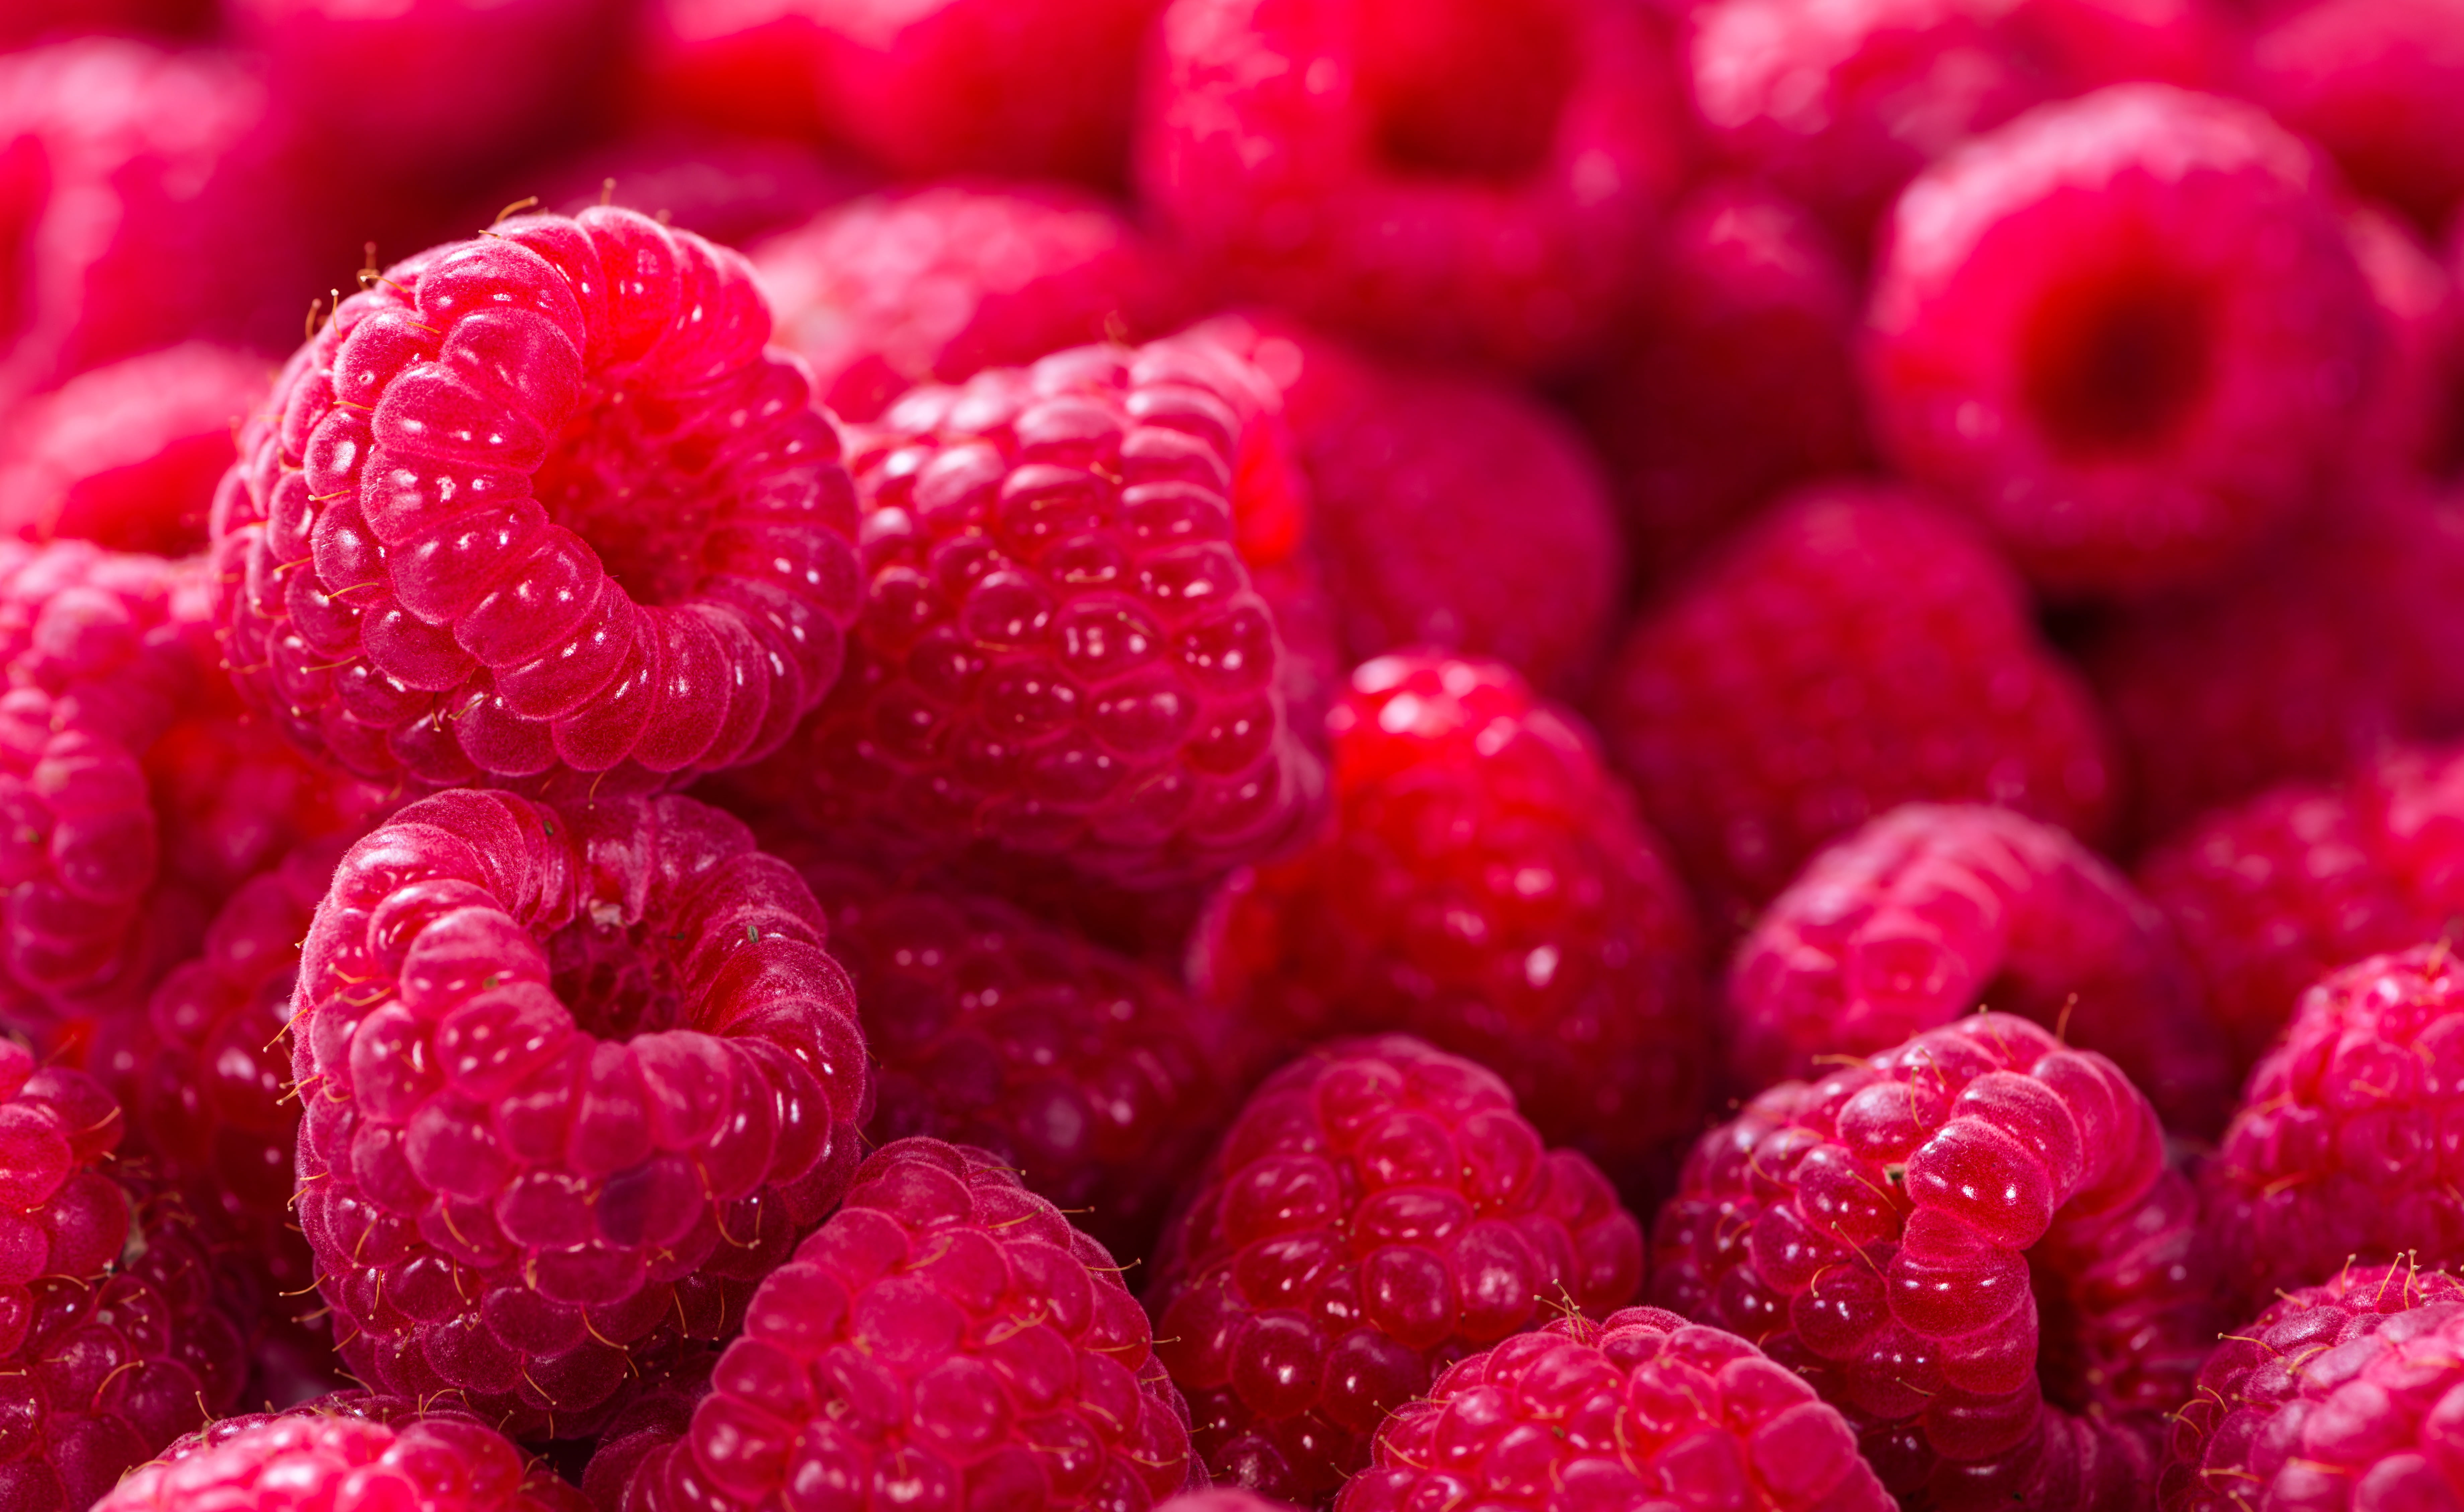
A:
[(1376, 1213), (573, 1080), (1970, 1244), (1640, 1409), (538, 508), (2126, 332)]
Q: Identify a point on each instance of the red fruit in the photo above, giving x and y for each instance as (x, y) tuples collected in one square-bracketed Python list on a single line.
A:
[(1377, 1211), (31, 20), (1212, 1500), (1972, 1246), (2375, 82), (2410, 431), (730, 189), (730, 67)]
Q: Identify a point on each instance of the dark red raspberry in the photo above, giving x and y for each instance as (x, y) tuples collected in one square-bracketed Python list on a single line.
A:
[(936, 284), (730, 189), (658, 1413), (945, 1339), (1971, 1245), (1644, 1408), (537, 506), (730, 67), (1485, 885), (2338, 1395), (573, 1081), (1482, 182), (1854, 650), (2377, 83), (1377, 1211), (2126, 332)]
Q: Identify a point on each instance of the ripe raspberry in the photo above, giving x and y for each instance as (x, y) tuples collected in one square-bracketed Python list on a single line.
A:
[(1482, 182), (1853, 650), (749, 68), (1644, 1408), (946, 1339), (1484, 885), (31, 20), (1972, 1246), (936, 284), (2127, 331), (2406, 432), (2376, 83), (1932, 910), (2080, 45), (512, 519), (730, 191), (658, 1414), (573, 1081), (1377, 1211)]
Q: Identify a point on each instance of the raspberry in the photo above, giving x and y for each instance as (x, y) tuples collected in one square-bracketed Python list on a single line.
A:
[(31, 20), (2375, 82), (1484, 885), (2127, 331), (1644, 1408), (2406, 432), (1853, 650), (509, 519), (2340, 1395), (946, 1339), (936, 284), (1376, 1213), (573, 1081), (732, 67), (728, 189), (1482, 182), (1214, 1501), (2086, 44), (659, 1413)]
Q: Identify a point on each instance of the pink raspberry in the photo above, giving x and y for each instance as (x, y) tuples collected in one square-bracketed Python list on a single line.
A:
[(1853, 650), (573, 1083), (1933, 909), (730, 189), (2127, 331), (2376, 82), (516, 516), (1644, 1408), (946, 1339), (1376, 1213), (1484, 885), (1484, 181), (1972, 1246), (658, 1413), (936, 284)]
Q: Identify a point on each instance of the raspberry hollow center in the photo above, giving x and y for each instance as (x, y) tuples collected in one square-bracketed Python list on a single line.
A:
[(1467, 89), (2118, 365), (618, 980), (630, 478)]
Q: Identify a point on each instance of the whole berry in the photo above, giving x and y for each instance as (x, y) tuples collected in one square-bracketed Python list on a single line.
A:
[(1376, 1213), (573, 1080), (2374, 83)]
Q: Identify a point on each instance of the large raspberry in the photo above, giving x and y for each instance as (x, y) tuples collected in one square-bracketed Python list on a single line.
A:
[(537, 506), (2125, 331), (1641, 1409), (1971, 1245), (946, 1339), (1485, 885), (2378, 84), (1378, 1211), (1933, 909), (573, 1081), (1854, 650)]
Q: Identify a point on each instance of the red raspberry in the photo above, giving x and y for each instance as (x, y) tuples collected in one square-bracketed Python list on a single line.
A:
[(658, 1414), (946, 1339), (1644, 1408), (733, 67), (936, 284), (2376, 82), (2086, 44), (1377, 1211), (1931, 910), (516, 517), (1854, 650), (573, 1081), (2407, 433), (729, 189), (1482, 182), (1484, 885), (1971, 1245), (2127, 331), (31, 20)]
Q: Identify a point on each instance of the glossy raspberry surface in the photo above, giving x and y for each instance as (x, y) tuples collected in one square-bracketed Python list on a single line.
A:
[(573, 1080), (2375, 82), (538, 507), (1971, 1245), (1377, 1211)]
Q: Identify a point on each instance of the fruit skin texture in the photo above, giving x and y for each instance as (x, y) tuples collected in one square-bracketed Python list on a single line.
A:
[(1377, 1211), (947, 1332), (1972, 1246), (537, 508), (1483, 883), (572, 1082), (1639, 1408), (1934, 908), (2375, 82), (2075, 336)]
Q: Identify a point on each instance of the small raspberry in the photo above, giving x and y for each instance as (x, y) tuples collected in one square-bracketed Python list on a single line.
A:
[(573, 1081), (1853, 650), (1972, 1246), (2126, 331), (1644, 1408), (946, 1339), (730, 189), (1376, 1213), (514, 518), (2376, 82)]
